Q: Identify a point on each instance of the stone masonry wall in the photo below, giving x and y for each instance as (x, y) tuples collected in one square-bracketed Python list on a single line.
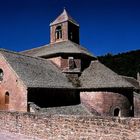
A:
[(70, 127), (12, 84), (106, 102), (62, 62)]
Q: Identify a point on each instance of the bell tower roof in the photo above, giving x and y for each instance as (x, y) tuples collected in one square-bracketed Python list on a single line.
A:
[(64, 16)]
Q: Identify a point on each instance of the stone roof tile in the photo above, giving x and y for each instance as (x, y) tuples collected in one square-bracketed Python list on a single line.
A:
[(65, 47), (36, 72), (133, 81), (98, 75)]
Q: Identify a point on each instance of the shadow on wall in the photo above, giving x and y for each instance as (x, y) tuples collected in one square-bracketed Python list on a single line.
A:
[(53, 97)]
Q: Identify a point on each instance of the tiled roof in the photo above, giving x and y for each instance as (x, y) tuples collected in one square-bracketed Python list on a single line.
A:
[(133, 81), (66, 110), (64, 47), (98, 75), (36, 72)]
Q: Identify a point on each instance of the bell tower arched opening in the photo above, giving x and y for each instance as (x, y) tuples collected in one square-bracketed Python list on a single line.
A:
[(58, 32)]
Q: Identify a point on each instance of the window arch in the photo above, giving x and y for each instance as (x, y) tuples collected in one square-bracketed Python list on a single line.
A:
[(7, 98), (1, 74), (117, 112), (58, 32)]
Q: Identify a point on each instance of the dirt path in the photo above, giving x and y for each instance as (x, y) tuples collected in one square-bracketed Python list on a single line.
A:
[(11, 136)]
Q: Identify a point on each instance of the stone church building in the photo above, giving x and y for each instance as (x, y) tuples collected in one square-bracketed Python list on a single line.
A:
[(64, 78)]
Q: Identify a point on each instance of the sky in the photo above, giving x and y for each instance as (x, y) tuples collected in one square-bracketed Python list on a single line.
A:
[(106, 26)]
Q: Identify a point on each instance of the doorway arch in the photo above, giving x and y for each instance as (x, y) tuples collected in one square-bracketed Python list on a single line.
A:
[(117, 112)]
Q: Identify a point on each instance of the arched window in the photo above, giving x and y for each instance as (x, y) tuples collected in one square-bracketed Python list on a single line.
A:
[(58, 32), (7, 98), (117, 112), (1, 74)]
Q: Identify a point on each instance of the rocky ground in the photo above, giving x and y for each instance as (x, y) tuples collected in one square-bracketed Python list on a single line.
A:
[(12, 136)]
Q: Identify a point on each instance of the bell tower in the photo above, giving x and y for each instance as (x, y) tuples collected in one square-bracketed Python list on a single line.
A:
[(64, 28)]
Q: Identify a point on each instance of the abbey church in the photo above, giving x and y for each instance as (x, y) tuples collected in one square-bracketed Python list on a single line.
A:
[(63, 77)]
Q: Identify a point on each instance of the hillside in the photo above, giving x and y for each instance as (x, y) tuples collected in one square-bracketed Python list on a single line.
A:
[(123, 63)]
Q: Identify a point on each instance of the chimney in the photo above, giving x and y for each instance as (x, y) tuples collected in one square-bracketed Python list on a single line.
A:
[(138, 77)]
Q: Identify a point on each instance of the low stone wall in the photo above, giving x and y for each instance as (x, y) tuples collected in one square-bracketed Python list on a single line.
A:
[(70, 127)]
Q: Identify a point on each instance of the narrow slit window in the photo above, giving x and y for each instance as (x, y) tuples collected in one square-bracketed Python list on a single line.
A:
[(7, 98)]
